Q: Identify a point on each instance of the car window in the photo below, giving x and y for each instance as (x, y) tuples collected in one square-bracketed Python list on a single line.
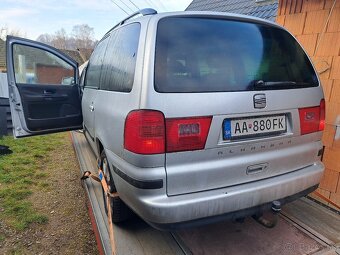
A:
[(120, 59), (36, 66), (207, 55), (94, 67)]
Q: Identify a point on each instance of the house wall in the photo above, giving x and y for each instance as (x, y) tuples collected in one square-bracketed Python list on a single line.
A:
[(52, 74), (316, 25)]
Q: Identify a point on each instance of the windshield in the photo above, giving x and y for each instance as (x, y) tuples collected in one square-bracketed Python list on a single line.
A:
[(212, 55)]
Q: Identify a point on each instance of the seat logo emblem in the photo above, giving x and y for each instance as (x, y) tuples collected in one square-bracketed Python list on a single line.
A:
[(260, 101)]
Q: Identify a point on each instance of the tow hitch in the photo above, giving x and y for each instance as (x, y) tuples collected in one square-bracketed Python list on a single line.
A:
[(272, 220)]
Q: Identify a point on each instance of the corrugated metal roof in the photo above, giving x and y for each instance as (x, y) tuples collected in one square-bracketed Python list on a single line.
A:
[(261, 9)]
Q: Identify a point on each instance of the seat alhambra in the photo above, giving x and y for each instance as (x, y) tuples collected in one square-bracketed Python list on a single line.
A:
[(195, 116)]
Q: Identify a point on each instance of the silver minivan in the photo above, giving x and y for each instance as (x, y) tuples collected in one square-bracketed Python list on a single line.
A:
[(195, 116)]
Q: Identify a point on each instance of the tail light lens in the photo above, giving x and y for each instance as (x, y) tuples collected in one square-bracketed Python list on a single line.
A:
[(322, 115), (312, 119), (144, 132), (187, 133)]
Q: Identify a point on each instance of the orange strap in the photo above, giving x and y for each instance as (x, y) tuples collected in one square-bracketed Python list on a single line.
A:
[(100, 178), (326, 199)]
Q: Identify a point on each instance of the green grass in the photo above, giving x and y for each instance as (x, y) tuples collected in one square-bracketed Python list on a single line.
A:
[(20, 174)]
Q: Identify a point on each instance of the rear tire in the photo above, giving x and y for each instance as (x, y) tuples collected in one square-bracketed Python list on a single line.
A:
[(120, 211)]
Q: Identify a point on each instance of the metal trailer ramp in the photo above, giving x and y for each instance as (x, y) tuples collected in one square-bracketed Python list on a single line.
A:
[(291, 236), (133, 238)]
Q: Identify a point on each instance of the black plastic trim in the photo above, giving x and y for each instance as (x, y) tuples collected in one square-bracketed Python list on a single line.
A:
[(145, 184)]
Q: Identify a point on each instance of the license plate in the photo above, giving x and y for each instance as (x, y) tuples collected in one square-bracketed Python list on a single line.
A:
[(253, 127)]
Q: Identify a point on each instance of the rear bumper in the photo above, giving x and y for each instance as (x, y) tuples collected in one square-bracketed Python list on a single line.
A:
[(165, 212)]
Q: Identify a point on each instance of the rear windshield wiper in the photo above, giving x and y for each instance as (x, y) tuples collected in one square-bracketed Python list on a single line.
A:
[(280, 84)]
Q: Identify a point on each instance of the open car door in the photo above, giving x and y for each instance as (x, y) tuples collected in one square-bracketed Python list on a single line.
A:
[(44, 92)]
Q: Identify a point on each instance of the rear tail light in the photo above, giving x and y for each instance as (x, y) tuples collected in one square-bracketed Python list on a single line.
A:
[(144, 132), (312, 119), (322, 115), (147, 132), (187, 133)]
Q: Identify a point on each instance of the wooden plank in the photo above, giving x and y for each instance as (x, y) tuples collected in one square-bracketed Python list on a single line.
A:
[(335, 95), (295, 23), (334, 21), (284, 7), (329, 180), (327, 86), (315, 21), (280, 20), (323, 66), (279, 10), (335, 69), (308, 42), (328, 135), (329, 45), (331, 159), (312, 5), (293, 7), (289, 6), (298, 7)]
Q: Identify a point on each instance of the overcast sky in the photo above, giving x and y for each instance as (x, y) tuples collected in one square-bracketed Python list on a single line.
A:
[(35, 17)]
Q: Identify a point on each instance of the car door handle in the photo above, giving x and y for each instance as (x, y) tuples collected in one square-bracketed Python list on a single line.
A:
[(91, 108)]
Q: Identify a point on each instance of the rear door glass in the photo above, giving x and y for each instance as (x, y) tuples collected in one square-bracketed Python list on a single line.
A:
[(212, 55)]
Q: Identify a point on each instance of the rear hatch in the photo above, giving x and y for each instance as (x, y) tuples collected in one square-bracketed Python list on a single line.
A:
[(241, 102)]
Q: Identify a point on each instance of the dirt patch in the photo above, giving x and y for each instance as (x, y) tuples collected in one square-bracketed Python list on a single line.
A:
[(62, 199)]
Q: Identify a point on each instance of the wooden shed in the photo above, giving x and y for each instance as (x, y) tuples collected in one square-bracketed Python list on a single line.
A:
[(316, 24)]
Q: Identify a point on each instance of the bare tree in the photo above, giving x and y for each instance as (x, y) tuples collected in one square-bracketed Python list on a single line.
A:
[(60, 39), (84, 36), (45, 38), (5, 30)]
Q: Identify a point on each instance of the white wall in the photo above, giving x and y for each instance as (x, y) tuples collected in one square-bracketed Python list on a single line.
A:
[(3, 85)]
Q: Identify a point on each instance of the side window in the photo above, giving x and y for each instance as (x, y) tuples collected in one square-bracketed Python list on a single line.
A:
[(94, 67), (120, 59), (36, 66)]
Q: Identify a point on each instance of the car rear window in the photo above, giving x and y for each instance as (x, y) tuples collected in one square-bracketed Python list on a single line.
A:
[(217, 55)]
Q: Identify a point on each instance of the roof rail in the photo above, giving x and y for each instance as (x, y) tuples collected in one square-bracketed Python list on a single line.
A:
[(144, 12)]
